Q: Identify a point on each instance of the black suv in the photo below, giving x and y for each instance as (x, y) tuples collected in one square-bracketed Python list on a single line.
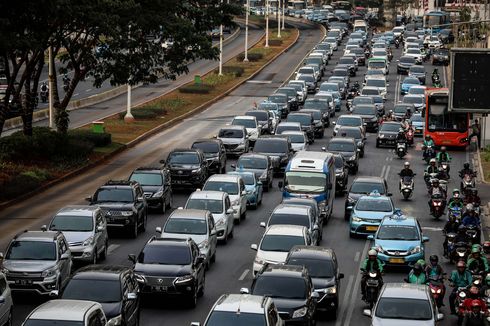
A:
[(156, 185), (348, 148), (278, 148), (114, 287), (123, 204), (323, 268), (215, 153), (171, 267), (292, 291), (188, 167), (362, 186)]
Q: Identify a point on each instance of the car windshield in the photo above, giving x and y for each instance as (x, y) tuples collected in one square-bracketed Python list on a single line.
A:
[(367, 187), (400, 109), (379, 53), (340, 72), (374, 205), (316, 267), (305, 182), (219, 318), (416, 91), (280, 98), (210, 147), (229, 187), (350, 132), (306, 78), (349, 121), (289, 219), (248, 162), (317, 114), (375, 72), (247, 123), (114, 195), (390, 127), (376, 82), (212, 205), (413, 99), (72, 223), (346, 61), (230, 133), (310, 61), (370, 91), (102, 291), (147, 179), (267, 106), (363, 100), (270, 146), (397, 232), (377, 64), (282, 128), (407, 60), (326, 87), (413, 81), (417, 69), (442, 52), (304, 120), (331, 39), (186, 226), (183, 158), (365, 110), (31, 250), (341, 146), (248, 178), (280, 242), (280, 287), (297, 138), (417, 118), (403, 308), (259, 115), (165, 255), (413, 51), (306, 70), (52, 322)]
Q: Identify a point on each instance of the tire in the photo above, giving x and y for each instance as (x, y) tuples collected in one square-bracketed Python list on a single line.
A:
[(225, 239), (164, 206), (192, 300), (145, 221), (243, 215), (133, 230), (361, 154), (200, 292), (346, 215), (9, 320), (103, 255), (377, 144), (170, 201)]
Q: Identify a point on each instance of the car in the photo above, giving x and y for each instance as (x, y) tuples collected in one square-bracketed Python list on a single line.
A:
[(360, 100), (235, 139), (348, 148), (85, 230), (440, 57), (195, 224), (67, 312), (336, 97), (215, 152), (360, 187), (278, 149), (418, 124), (406, 304), (188, 167), (234, 186), (325, 105), (307, 70), (328, 87), (379, 103), (276, 242), (243, 309), (259, 164), (251, 125), (356, 133), (399, 240), (418, 101), (303, 91), (292, 96), (319, 121), (368, 213), (360, 56), (219, 204), (6, 305), (290, 214), (374, 73), (114, 287), (387, 134), (332, 41), (316, 60), (342, 72), (271, 108), (323, 268), (299, 140), (341, 173), (350, 63), (173, 267), (307, 123), (308, 202), (37, 262), (370, 91), (417, 90), (414, 53), (380, 53), (253, 187), (282, 100), (369, 116), (156, 184), (404, 64), (418, 72), (401, 110), (292, 291), (407, 83), (311, 84), (446, 35), (380, 83), (379, 63), (287, 126), (433, 42), (263, 119), (348, 120)]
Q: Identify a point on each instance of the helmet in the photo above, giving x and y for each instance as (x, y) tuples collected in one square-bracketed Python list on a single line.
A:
[(461, 264), (421, 262), (435, 181), (469, 207), (391, 111), (486, 246), (461, 228), (417, 267), (443, 148), (427, 137), (455, 190), (466, 165), (406, 164), (401, 130), (432, 160), (475, 250), (474, 192), (372, 252), (434, 259)]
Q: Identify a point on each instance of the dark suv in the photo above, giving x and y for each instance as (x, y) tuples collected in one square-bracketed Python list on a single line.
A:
[(362, 186), (278, 148), (114, 287), (215, 153), (188, 167), (123, 204), (156, 185), (171, 267)]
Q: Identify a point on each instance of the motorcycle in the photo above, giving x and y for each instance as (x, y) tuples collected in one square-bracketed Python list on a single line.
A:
[(437, 204), (401, 149), (429, 153), (454, 213), (473, 233), (458, 252), (437, 289), (390, 56), (397, 43), (406, 187), (436, 79), (444, 168), (373, 284), (44, 96), (468, 181)]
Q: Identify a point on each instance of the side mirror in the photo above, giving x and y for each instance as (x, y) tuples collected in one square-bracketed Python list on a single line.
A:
[(140, 199), (316, 227), (259, 183), (132, 296), (280, 184), (334, 123), (439, 317), (163, 162), (213, 232), (52, 294), (158, 229), (244, 193), (425, 239), (329, 186), (370, 237), (88, 199), (254, 247), (65, 256), (200, 259), (341, 276), (233, 166), (389, 194), (100, 228), (262, 224), (230, 211), (315, 295), (367, 312), (132, 258), (44, 228), (244, 291)]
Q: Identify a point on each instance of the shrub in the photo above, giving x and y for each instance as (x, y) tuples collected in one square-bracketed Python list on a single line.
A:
[(196, 89), (275, 42), (19, 185), (99, 140), (236, 71), (145, 113), (252, 56)]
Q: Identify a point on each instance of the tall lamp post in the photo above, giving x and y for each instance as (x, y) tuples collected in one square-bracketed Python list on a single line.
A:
[(245, 58), (266, 23), (128, 118), (50, 87), (279, 18), (283, 12), (221, 47)]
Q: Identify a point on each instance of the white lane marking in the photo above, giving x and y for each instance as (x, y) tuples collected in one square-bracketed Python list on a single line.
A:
[(431, 228), (387, 172), (387, 158), (112, 248), (357, 256), (88, 90), (259, 81), (76, 94), (383, 171), (244, 274), (345, 301)]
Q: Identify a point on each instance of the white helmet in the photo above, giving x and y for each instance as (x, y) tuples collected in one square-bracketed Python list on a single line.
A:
[(407, 164), (372, 252)]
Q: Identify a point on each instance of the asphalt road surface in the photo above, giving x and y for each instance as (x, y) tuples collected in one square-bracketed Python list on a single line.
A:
[(232, 269)]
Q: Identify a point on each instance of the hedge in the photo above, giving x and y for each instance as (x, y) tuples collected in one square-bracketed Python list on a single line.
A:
[(252, 56), (275, 42), (145, 113), (98, 139), (196, 89), (234, 70)]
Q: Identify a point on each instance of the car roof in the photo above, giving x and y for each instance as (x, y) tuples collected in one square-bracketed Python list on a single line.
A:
[(392, 122), (313, 252), (241, 303), (188, 213), (291, 209), (399, 220), (293, 132), (244, 117), (350, 116), (100, 272), (342, 140), (175, 150), (207, 140), (255, 155), (377, 197), (224, 178), (285, 271), (289, 123), (285, 229), (369, 179), (37, 235), (234, 127), (78, 210), (207, 194), (61, 309), (404, 290)]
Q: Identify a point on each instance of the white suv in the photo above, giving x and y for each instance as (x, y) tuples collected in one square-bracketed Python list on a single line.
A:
[(251, 125), (234, 186)]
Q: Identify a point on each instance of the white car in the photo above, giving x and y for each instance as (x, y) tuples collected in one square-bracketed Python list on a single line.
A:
[(417, 90), (235, 139), (332, 41), (418, 101), (251, 125), (380, 53), (67, 312), (299, 141), (433, 42), (414, 53), (398, 30), (234, 186), (219, 204), (287, 126), (349, 120), (276, 242)]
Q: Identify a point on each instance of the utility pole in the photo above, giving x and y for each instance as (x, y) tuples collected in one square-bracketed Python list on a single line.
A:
[(266, 23), (279, 18), (128, 118), (245, 58), (221, 48), (284, 12), (50, 87)]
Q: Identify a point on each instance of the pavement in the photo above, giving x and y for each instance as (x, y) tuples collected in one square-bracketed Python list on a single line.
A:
[(232, 269)]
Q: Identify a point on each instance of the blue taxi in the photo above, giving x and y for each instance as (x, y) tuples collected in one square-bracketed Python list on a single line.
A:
[(399, 240), (368, 213), (253, 187)]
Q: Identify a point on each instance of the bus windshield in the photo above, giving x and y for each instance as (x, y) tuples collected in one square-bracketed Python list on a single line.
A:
[(306, 182), (441, 120)]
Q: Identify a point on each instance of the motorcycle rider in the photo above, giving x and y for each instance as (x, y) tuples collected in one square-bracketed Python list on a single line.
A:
[(434, 269), (434, 190), (456, 200), (476, 316), (428, 142), (460, 278), (417, 275), (472, 198), (466, 170), (477, 262), (406, 171), (443, 156), (432, 168), (473, 299), (44, 87), (370, 264), (485, 289), (401, 137), (486, 247), (435, 75), (451, 226), (470, 217)]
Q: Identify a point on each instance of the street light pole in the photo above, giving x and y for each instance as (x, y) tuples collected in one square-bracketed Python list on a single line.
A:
[(279, 18), (266, 23), (283, 12), (221, 47), (245, 58), (50, 87), (128, 118)]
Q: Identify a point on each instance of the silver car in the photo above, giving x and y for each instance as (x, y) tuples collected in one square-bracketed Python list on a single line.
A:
[(6, 302), (85, 229)]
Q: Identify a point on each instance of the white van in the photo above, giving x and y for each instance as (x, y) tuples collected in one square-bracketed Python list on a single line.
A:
[(360, 25)]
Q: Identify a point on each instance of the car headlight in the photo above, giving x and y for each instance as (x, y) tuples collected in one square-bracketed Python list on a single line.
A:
[(352, 158), (378, 248), (158, 193), (116, 321), (49, 272), (322, 204), (350, 200), (184, 279), (416, 250), (203, 244), (196, 170), (4, 270), (381, 136), (221, 222), (236, 202), (127, 213), (356, 219), (301, 312), (331, 290), (89, 241), (259, 261)]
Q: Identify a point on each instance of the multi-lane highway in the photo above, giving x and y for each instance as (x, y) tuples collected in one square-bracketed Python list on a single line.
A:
[(234, 260)]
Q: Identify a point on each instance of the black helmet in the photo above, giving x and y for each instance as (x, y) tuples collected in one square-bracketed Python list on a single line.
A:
[(466, 165), (461, 228), (434, 258), (417, 267)]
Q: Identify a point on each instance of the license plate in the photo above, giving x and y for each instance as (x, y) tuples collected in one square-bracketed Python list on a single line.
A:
[(446, 142), (371, 228), (160, 288), (23, 282), (396, 260)]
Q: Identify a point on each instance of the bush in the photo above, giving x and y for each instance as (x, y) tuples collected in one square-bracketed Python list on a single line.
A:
[(19, 185), (233, 70), (196, 89), (275, 42), (99, 140), (145, 113), (252, 56)]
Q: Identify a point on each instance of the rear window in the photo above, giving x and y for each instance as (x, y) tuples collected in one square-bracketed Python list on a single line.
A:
[(210, 147), (271, 146), (230, 133), (165, 255), (367, 187)]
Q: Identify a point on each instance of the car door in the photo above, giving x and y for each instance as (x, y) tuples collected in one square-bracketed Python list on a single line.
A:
[(100, 236), (213, 234), (222, 155), (199, 268), (96, 318), (140, 205), (7, 297)]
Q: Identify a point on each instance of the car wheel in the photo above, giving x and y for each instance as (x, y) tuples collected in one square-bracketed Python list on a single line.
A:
[(232, 234), (9, 320), (170, 200), (377, 144), (243, 215), (192, 299), (164, 206), (134, 230), (200, 293), (103, 255), (145, 221), (223, 169), (213, 257), (361, 154)]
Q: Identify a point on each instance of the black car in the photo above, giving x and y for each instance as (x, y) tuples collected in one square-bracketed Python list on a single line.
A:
[(347, 147), (277, 148), (307, 123), (123, 204), (260, 165), (342, 71), (446, 35), (114, 287), (404, 64), (400, 110), (264, 119), (318, 121), (323, 268), (350, 63), (282, 101), (369, 116), (156, 185), (356, 133), (172, 267), (418, 72), (310, 81), (440, 57), (360, 56), (341, 174), (310, 202), (292, 95), (387, 134), (324, 106), (215, 152), (292, 291), (362, 186), (188, 167)]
